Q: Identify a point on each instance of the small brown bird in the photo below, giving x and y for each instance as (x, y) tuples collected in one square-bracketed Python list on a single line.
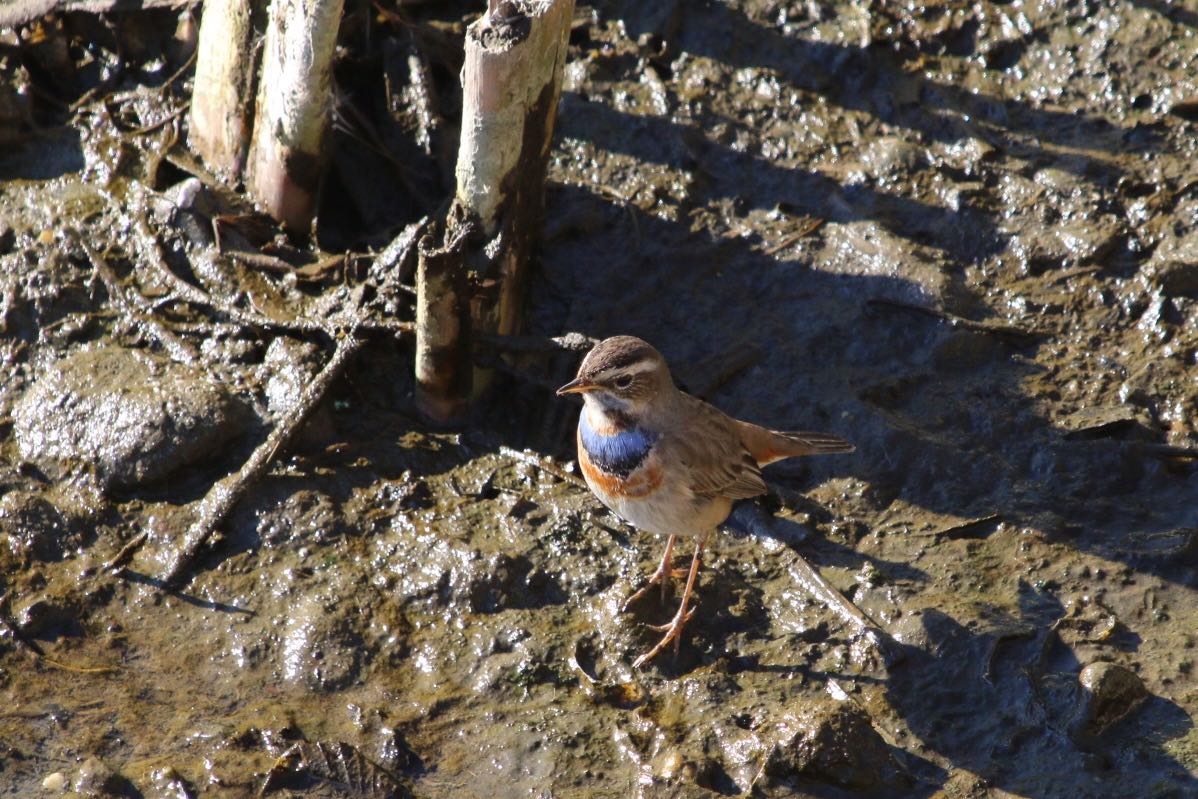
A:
[(667, 462)]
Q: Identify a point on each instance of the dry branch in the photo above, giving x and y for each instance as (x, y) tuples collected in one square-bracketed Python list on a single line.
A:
[(515, 57), (443, 367), (136, 308), (225, 494), (197, 296)]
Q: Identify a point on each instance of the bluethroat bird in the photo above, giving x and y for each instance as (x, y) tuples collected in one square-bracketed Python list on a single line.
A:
[(667, 462)]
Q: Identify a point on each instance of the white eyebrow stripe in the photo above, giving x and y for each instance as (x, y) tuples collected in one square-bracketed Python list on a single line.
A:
[(640, 367)]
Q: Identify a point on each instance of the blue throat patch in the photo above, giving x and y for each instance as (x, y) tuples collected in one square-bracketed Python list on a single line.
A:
[(619, 453)]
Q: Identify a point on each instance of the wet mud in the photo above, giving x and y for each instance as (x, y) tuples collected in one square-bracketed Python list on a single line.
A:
[(962, 236)]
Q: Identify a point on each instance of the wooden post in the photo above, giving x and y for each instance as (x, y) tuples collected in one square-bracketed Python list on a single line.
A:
[(511, 79), (443, 372), (286, 157), (222, 97)]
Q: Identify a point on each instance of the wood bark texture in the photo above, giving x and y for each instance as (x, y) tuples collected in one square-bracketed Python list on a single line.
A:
[(511, 79), (293, 111), (222, 97)]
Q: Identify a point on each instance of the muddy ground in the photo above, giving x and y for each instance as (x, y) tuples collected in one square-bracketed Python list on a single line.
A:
[(963, 236)]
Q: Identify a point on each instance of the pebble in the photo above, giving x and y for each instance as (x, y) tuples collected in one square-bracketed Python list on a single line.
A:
[(1108, 693), (832, 742)]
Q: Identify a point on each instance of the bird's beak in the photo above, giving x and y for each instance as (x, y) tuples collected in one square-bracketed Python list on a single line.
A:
[(577, 386)]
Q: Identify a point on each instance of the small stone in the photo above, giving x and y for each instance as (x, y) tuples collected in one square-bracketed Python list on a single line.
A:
[(126, 418), (55, 782), (46, 619), (669, 765), (1174, 266), (34, 527), (95, 778), (834, 743), (1108, 693)]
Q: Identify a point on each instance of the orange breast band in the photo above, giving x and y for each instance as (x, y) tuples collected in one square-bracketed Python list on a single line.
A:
[(641, 483)]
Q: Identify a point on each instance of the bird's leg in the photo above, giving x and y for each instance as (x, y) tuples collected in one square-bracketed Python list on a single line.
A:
[(673, 630), (662, 576)]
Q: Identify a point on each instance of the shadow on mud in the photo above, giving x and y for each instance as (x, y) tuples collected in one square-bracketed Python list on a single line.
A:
[(872, 79), (941, 416)]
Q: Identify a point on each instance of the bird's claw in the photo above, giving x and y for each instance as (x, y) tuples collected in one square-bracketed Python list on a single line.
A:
[(661, 628), (673, 632)]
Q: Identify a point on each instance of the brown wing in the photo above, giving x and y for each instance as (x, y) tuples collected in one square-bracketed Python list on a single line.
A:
[(717, 463), (768, 446)]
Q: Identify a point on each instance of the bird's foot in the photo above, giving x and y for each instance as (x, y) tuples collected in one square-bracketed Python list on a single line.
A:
[(673, 632), (660, 577)]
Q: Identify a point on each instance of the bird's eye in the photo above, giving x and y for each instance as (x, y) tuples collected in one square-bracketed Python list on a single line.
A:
[(623, 381)]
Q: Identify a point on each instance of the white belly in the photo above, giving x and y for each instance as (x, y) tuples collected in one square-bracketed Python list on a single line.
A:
[(668, 511)]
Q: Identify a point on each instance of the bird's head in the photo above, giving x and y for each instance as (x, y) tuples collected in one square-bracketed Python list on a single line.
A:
[(621, 375)]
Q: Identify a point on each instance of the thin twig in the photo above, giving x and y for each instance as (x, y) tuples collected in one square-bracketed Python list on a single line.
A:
[(827, 595), (153, 126), (813, 224), (134, 306), (18, 635), (1077, 271), (198, 296), (258, 260), (543, 463), (1005, 331), (191, 59), (117, 563), (970, 528), (225, 494)]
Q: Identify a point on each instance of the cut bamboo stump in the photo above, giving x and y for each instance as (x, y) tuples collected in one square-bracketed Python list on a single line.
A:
[(286, 156), (511, 80), (222, 97)]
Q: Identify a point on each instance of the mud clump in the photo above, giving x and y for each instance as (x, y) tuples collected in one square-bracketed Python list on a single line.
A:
[(34, 528), (1174, 266), (832, 743), (96, 778), (125, 418), (320, 652), (1108, 693)]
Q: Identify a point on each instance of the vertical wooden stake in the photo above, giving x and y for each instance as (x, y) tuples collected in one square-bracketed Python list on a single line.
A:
[(511, 80), (294, 100), (222, 97), (443, 373), (515, 56)]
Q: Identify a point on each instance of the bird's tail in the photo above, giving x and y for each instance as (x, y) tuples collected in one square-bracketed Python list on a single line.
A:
[(767, 446)]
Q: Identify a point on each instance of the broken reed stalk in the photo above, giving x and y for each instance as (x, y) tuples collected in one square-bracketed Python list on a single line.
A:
[(442, 331), (512, 77), (221, 101), (286, 156)]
